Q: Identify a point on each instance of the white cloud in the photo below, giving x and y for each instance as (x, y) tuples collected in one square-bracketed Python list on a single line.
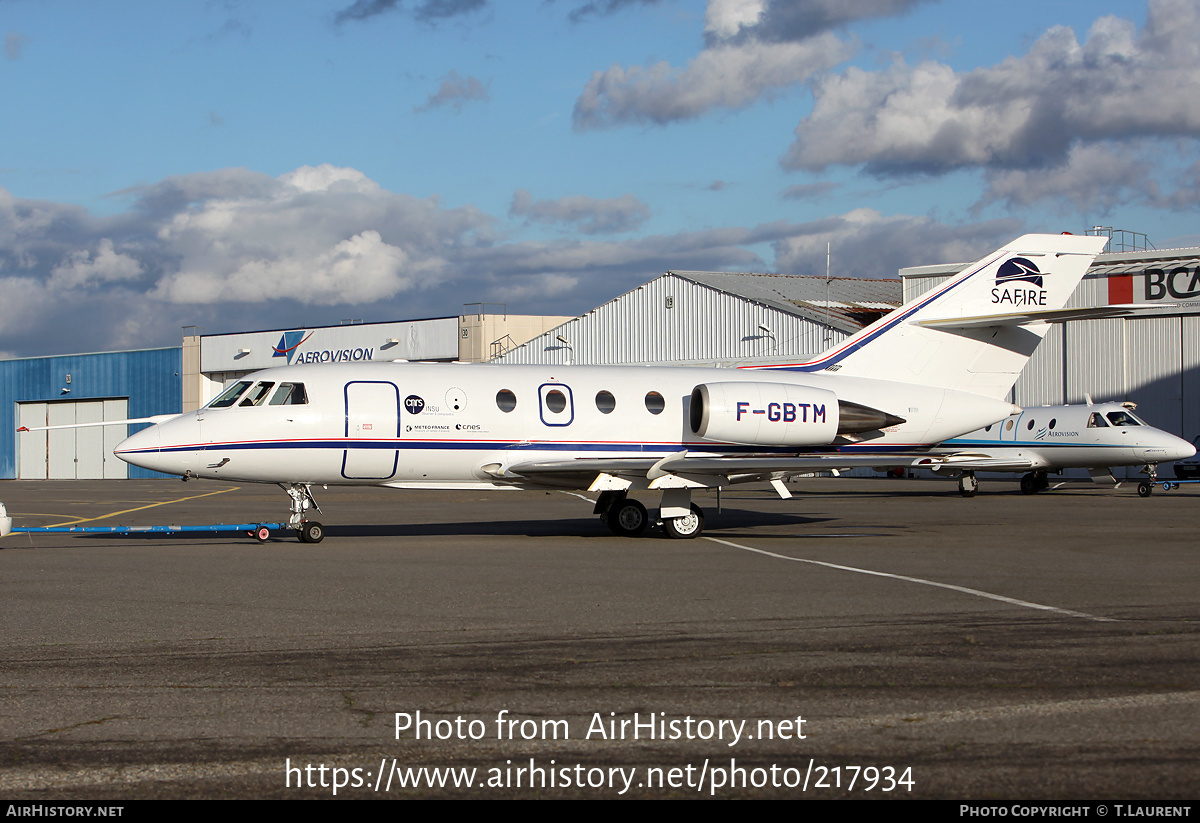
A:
[(587, 214), (726, 76), (83, 268), (1026, 112)]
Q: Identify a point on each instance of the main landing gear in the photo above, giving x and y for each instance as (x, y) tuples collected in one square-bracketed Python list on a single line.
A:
[(1034, 482), (968, 485), (309, 531), (629, 518)]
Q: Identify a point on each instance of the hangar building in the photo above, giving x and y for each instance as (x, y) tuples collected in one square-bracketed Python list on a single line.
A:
[(81, 388), (715, 317)]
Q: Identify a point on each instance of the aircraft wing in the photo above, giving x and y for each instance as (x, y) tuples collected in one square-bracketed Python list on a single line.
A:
[(719, 470), (966, 461)]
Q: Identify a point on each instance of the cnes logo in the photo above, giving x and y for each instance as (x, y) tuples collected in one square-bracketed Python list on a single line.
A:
[(1019, 282)]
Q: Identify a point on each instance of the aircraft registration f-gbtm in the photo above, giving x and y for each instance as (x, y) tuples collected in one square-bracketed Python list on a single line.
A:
[(923, 374)]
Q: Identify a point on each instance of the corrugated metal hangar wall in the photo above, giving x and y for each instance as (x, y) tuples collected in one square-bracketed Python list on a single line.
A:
[(714, 317), (82, 388)]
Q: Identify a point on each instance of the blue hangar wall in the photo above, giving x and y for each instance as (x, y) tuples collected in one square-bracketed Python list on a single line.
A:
[(149, 379)]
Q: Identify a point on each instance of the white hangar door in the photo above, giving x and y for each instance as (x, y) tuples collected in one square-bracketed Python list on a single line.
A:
[(71, 454)]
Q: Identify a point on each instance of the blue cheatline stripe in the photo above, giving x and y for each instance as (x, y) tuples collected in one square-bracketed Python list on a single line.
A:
[(493, 446), (1032, 444), (838, 356)]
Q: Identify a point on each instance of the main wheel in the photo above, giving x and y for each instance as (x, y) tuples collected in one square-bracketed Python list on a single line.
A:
[(1144, 488), (311, 532), (1029, 484), (628, 518), (685, 528), (968, 485)]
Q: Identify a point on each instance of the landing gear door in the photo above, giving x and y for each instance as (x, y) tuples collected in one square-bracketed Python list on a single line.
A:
[(372, 429)]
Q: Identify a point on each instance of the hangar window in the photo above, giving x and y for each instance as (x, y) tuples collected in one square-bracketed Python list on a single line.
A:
[(257, 395), (556, 401), (506, 400), (655, 403), (289, 394), (605, 402), (228, 397)]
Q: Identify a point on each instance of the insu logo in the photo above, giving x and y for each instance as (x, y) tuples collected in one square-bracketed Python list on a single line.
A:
[(1016, 270)]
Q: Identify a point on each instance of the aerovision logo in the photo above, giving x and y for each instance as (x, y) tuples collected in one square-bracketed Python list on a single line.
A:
[(1012, 273), (292, 340)]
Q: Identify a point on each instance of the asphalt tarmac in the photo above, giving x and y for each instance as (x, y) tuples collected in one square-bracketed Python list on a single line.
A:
[(867, 638)]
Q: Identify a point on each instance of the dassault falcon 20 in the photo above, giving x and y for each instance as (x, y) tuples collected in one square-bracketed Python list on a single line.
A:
[(1092, 436), (923, 374)]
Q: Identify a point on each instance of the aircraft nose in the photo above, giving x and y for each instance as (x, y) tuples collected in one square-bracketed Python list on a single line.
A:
[(142, 448), (1166, 449), (168, 447), (1180, 449)]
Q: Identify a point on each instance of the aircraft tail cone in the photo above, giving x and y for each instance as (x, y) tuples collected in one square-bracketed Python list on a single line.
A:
[(855, 417)]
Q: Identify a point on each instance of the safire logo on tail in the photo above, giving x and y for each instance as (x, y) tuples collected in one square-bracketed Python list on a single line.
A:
[(1012, 272), (287, 345)]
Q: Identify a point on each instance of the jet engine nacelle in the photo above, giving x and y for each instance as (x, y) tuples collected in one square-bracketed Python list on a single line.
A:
[(778, 414), (764, 414)]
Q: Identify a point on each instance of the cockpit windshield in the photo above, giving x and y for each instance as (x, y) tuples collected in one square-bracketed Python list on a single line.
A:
[(284, 394), (289, 394), (1096, 421), (1123, 418), (228, 397), (257, 395)]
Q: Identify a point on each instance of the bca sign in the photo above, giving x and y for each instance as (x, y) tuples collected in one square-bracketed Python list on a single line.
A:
[(1169, 285)]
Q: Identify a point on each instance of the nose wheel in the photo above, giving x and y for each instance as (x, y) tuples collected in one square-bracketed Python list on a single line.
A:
[(310, 531)]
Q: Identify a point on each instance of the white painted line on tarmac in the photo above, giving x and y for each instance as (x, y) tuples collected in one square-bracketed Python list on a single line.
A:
[(963, 589)]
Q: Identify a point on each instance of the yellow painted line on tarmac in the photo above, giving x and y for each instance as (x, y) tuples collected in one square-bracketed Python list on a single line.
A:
[(139, 508)]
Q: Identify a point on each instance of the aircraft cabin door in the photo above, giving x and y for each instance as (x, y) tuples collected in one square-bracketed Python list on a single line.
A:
[(372, 428)]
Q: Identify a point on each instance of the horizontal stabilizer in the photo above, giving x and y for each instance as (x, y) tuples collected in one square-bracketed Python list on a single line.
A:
[(1047, 316)]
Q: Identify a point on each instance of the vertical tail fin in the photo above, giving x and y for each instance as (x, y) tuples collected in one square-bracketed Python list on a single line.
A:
[(1035, 273)]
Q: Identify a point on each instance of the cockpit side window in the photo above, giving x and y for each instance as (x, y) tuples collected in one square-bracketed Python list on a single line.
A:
[(1096, 421), (258, 395), (228, 397), (289, 394), (1120, 418)]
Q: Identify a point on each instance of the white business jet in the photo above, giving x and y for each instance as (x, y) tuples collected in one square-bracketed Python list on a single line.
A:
[(923, 374), (1050, 438)]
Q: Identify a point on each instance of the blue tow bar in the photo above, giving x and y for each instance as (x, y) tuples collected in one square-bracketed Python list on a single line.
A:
[(259, 531)]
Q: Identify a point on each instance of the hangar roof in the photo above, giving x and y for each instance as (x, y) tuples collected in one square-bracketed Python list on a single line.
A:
[(846, 303)]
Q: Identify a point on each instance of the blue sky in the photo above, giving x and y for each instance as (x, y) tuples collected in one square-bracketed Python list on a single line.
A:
[(241, 165)]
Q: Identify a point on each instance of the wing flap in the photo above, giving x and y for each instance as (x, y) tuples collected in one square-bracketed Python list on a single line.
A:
[(735, 468)]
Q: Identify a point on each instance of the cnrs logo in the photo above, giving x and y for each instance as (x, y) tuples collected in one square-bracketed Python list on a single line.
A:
[(1010, 277)]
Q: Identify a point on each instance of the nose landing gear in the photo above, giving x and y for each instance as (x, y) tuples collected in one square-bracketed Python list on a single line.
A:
[(309, 531)]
